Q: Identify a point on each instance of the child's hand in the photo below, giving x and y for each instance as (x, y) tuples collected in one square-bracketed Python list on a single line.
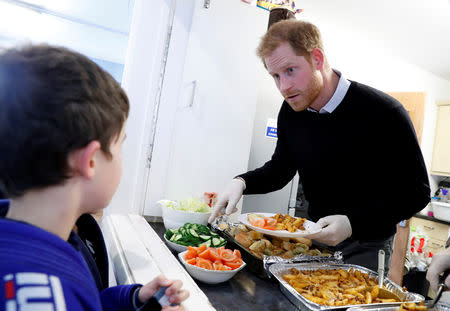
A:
[(173, 292)]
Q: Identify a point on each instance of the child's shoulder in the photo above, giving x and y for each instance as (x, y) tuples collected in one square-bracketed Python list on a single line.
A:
[(34, 257)]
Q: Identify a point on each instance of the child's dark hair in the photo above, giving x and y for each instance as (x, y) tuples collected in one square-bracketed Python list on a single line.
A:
[(52, 101)]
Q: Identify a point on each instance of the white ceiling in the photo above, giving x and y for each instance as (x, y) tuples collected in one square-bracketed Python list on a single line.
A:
[(418, 31)]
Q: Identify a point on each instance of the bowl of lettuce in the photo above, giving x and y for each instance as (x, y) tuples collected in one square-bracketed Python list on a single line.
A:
[(190, 210)]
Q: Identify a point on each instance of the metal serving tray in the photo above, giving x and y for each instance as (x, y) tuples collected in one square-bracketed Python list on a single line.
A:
[(302, 303), (440, 306), (260, 266)]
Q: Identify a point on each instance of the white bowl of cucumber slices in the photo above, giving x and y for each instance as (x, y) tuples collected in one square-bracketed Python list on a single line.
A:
[(192, 235)]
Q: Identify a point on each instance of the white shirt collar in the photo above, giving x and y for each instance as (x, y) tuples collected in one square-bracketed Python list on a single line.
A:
[(338, 95)]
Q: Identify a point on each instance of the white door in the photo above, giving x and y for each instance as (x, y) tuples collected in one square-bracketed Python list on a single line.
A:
[(208, 100)]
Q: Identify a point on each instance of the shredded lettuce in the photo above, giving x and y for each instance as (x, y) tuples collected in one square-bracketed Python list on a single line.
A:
[(189, 205)]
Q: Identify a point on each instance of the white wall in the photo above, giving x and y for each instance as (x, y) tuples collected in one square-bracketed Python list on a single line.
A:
[(348, 49), (203, 133), (141, 80), (372, 63)]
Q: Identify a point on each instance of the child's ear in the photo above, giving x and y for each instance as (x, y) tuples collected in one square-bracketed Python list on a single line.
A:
[(83, 160)]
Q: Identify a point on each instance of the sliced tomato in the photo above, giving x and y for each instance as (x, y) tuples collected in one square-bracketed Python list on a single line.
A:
[(214, 254), (234, 264), (270, 227), (237, 253), (260, 222), (192, 253), (205, 254), (227, 255), (201, 248), (192, 261), (204, 263), (225, 268), (270, 221), (217, 265)]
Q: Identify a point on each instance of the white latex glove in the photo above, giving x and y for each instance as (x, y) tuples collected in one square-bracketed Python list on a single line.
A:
[(335, 229), (439, 263), (227, 199)]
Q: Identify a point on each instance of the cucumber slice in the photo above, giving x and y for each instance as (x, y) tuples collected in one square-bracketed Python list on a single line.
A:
[(207, 243), (177, 237), (193, 233), (205, 237), (215, 242)]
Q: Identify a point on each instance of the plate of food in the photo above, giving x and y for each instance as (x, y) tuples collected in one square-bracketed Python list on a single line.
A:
[(279, 225)]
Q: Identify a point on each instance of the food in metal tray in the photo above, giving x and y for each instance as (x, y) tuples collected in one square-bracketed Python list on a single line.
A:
[(259, 244), (335, 287), (411, 306)]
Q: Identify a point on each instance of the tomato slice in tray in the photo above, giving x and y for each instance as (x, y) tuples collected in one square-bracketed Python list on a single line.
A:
[(260, 222), (204, 263), (201, 248), (227, 255), (270, 227), (214, 254), (205, 254), (237, 253), (234, 264), (192, 261), (192, 253), (270, 221)]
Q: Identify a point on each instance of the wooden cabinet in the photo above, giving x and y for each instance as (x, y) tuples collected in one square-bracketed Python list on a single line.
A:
[(414, 103), (436, 233), (440, 164)]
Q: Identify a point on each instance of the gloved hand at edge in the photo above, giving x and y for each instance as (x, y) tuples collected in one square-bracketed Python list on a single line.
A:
[(439, 264), (335, 229), (228, 198)]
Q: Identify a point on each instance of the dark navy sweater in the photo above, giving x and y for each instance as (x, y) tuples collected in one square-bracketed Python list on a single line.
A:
[(363, 160)]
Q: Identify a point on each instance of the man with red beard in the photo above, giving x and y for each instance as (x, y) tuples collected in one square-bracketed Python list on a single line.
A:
[(333, 129)]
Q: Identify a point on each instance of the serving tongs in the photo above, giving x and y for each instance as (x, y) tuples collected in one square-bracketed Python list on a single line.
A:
[(383, 292), (441, 288)]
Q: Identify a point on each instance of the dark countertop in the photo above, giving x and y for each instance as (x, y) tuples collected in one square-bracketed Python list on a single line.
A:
[(244, 291)]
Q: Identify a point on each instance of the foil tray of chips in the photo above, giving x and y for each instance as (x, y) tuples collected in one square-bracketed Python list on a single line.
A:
[(439, 306), (259, 263), (302, 303)]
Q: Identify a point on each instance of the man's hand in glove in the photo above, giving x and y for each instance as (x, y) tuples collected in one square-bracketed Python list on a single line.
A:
[(335, 229), (227, 199)]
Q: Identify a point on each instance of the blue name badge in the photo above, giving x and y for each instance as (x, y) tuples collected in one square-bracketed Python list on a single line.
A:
[(271, 128), (271, 132)]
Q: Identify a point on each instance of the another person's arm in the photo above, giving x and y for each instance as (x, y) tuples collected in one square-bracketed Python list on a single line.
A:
[(439, 264)]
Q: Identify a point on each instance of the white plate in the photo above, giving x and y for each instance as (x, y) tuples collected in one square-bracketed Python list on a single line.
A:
[(176, 247), (310, 227)]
